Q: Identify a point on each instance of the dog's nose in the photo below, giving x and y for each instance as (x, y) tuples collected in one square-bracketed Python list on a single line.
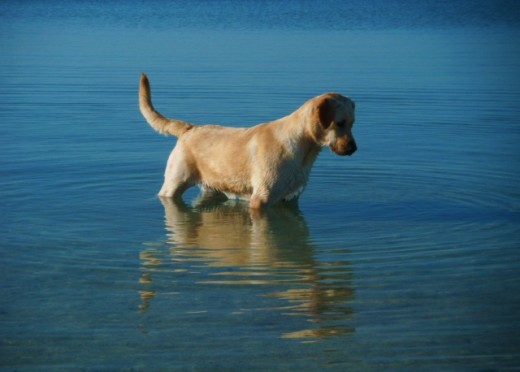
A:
[(352, 147)]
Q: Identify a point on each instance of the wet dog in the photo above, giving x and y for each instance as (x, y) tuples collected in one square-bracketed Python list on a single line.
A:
[(265, 164)]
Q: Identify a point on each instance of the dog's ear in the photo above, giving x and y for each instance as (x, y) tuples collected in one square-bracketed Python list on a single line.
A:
[(326, 110)]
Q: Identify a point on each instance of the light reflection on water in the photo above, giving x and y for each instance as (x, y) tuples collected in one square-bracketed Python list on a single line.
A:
[(271, 249)]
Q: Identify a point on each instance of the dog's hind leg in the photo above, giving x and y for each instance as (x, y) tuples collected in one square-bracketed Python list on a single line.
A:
[(177, 177), (173, 189)]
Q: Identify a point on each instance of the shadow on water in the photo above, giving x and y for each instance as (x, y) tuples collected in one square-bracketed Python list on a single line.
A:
[(271, 250)]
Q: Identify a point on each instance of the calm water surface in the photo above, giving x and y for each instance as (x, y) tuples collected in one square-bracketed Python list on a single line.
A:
[(404, 256)]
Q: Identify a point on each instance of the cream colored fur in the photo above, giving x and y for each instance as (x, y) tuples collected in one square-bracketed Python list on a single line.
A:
[(266, 163)]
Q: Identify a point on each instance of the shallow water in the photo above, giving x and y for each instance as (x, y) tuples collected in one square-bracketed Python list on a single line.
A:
[(403, 256)]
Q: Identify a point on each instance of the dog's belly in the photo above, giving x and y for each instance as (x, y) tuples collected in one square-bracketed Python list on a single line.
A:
[(241, 191), (232, 188)]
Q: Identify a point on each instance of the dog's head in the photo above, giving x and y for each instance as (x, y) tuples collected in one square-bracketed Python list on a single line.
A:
[(334, 117)]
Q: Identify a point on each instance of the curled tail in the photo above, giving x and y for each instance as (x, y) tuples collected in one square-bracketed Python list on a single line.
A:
[(157, 121)]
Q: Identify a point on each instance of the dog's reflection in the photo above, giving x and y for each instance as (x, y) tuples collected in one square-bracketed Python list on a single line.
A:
[(270, 247)]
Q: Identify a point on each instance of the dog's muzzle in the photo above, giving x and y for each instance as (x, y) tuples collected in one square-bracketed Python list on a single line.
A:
[(351, 148), (343, 146), (346, 150)]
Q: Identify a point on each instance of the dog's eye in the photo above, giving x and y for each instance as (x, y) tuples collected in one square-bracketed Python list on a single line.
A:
[(341, 123)]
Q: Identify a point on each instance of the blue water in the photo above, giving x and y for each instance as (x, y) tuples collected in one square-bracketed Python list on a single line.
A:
[(404, 256)]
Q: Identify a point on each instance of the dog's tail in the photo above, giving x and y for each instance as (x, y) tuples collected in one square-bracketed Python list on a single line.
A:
[(157, 121)]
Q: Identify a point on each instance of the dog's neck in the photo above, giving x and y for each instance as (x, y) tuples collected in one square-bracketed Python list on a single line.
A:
[(293, 131)]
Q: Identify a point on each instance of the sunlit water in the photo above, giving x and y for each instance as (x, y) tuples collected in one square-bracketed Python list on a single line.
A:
[(403, 256)]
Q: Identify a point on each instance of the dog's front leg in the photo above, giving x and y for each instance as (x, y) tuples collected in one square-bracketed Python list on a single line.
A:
[(257, 202), (264, 196)]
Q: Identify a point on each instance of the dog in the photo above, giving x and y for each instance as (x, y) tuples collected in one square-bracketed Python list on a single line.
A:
[(265, 164)]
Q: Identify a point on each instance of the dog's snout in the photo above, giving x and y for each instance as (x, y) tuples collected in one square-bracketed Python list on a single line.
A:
[(352, 147), (345, 147)]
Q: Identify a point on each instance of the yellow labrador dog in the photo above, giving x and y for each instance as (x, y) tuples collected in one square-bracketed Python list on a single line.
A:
[(265, 164)]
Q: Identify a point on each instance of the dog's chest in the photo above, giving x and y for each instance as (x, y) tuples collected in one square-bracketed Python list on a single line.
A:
[(292, 180)]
